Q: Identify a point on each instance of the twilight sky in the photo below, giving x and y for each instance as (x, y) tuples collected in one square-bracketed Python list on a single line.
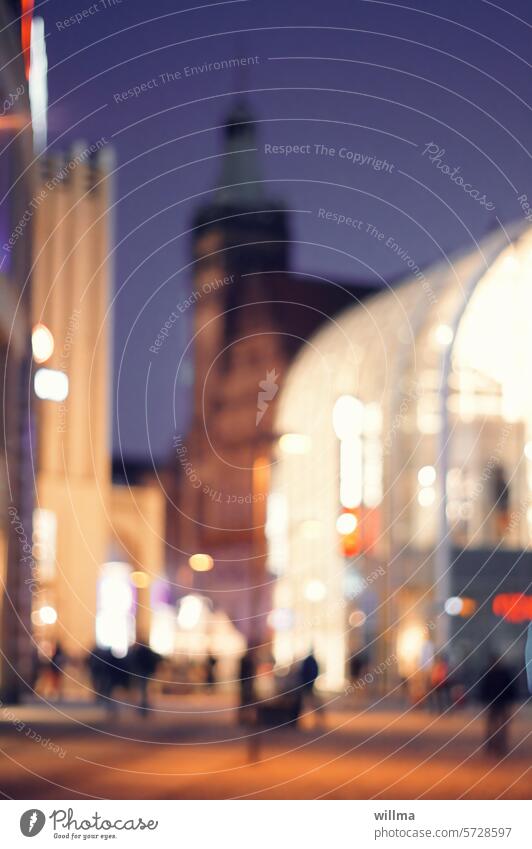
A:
[(373, 81)]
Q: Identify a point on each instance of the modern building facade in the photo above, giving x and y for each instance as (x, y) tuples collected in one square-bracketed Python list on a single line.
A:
[(403, 524)]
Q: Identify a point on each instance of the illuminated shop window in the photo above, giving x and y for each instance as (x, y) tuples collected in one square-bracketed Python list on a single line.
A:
[(44, 543), (115, 616)]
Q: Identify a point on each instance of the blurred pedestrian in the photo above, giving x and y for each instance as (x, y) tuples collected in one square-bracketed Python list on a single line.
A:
[(440, 684), (248, 710), (498, 692), (210, 667), (100, 663), (426, 662), (247, 674), (528, 658), (501, 502), (143, 664), (55, 672), (358, 664), (308, 674)]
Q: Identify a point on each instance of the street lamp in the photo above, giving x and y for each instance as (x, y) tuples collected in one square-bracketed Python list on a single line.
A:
[(42, 343), (201, 562), (50, 384)]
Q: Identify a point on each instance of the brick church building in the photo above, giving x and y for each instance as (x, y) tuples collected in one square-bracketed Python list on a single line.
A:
[(252, 314)]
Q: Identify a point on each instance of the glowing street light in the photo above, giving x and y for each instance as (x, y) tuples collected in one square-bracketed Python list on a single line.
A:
[(46, 615), (443, 335), (42, 343), (346, 523), (140, 580), (201, 562), (426, 476), (50, 384)]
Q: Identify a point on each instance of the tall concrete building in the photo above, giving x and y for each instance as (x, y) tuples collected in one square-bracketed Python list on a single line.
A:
[(71, 300), (251, 315), (98, 547)]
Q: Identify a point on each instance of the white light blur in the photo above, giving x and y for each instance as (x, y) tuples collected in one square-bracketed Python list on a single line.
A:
[(410, 642), (311, 529), (44, 540), (443, 335), (348, 417), (315, 590), (50, 385), (190, 612), (426, 476), (281, 619), (295, 443), (162, 629), (372, 419), (372, 469), (42, 343), (38, 85), (528, 450), (115, 623), (276, 531), (47, 615), (114, 591), (453, 606), (351, 472), (426, 496), (493, 338), (346, 523)]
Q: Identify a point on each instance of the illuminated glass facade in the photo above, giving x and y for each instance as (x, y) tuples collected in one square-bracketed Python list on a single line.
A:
[(409, 470)]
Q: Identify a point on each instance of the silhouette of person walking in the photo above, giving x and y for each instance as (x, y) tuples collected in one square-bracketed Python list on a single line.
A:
[(210, 667), (144, 662), (308, 674), (498, 691)]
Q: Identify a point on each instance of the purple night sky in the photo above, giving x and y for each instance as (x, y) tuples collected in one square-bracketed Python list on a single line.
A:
[(377, 79)]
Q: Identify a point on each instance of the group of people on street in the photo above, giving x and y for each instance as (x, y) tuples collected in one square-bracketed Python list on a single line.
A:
[(497, 692), (298, 691), (134, 671), (497, 687)]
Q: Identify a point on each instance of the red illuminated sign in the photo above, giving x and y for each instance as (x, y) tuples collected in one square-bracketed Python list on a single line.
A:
[(25, 33), (514, 607), (365, 534)]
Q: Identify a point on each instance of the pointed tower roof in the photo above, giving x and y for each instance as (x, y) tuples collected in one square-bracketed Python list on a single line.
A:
[(240, 179)]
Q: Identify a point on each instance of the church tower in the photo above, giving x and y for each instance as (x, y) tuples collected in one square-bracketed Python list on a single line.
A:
[(240, 250), (251, 314)]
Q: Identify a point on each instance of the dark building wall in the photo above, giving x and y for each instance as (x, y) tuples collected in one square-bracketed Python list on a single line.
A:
[(495, 580), (16, 474)]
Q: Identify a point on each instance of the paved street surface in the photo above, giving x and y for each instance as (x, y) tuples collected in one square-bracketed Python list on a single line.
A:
[(190, 749)]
